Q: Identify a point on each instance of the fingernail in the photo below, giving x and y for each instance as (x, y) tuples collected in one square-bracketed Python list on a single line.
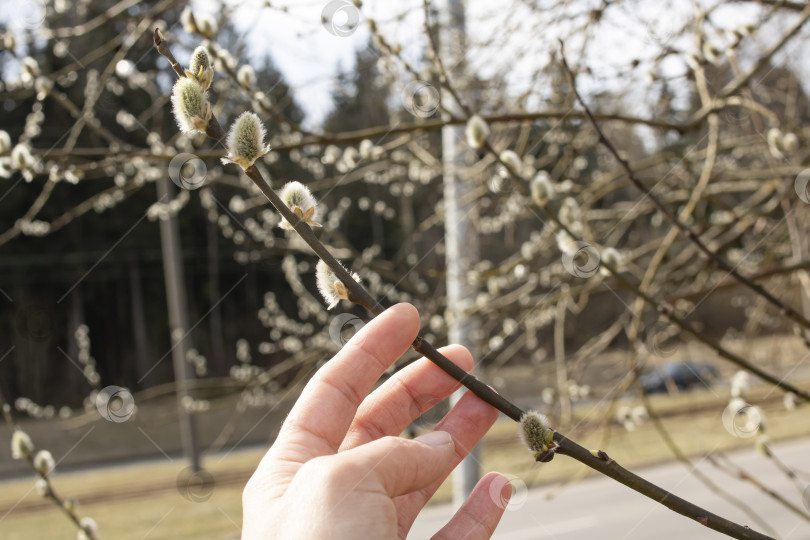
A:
[(435, 438)]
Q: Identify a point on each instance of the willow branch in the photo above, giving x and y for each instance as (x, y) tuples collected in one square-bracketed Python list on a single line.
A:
[(735, 84), (786, 310), (49, 491), (358, 294), (661, 308), (444, 76), (739, 81)]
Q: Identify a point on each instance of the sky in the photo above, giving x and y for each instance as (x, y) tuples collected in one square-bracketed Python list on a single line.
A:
[(305, 51)]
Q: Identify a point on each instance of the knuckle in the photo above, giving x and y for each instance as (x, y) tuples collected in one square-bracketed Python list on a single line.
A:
[(327, 470)]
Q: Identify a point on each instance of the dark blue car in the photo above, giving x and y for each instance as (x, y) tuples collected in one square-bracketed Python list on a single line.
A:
[(681, 375)]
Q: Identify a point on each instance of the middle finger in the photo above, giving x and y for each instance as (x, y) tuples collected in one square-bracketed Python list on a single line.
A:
[(404, 397)]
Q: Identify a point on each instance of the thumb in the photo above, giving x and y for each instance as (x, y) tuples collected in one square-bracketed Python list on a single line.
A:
[(401, 466)]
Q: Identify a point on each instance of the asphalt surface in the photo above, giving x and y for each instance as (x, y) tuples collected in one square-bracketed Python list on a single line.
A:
[(599, 508)]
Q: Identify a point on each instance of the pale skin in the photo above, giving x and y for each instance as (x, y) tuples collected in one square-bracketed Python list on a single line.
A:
[(338, 468)]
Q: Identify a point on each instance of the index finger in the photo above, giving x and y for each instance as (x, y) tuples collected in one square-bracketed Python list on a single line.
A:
[(320, 418)]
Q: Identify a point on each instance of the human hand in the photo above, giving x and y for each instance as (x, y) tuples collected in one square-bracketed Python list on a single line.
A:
[(338, 468)]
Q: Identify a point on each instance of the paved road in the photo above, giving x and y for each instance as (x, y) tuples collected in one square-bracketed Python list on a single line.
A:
[(599, 508)]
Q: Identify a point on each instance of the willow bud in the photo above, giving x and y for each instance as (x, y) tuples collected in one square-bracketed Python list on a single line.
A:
[(246, 76), (89, 528), (536, 433), (477, 131), (9, 41), (246, 141), (21, 157), (5, 142), (774, 138), (44, 463), (365, 148), (331, 288), (790, 142), (740, 384), (191, 108), (200, 67), (542, 188), (21, 445), (300, 200), (611, 257), (571, 215), (513, 161), (42, 487), (188, 21), (207, 26), (566, 244)]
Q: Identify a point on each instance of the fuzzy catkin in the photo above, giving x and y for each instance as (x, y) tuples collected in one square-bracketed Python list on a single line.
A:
[(246, 140), (535, 432)]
